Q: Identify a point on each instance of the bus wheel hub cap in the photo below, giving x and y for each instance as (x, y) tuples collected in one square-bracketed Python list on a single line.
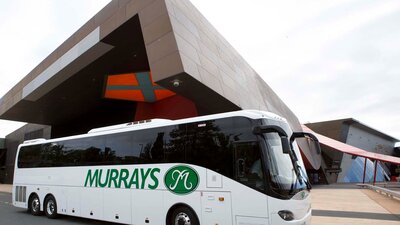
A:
[(182, 219), (35, 205), (50, 207)]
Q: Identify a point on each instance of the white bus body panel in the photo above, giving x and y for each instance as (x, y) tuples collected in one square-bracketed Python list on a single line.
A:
[(215, 204), (142, 201), (73, 195), (118, 205), (131, 206), (241, 205), (92, 204)]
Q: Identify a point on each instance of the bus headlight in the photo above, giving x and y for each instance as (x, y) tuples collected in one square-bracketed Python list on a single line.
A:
[(286, 215)]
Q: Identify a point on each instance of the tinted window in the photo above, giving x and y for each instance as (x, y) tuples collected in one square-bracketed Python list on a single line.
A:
[(175, 142), (149, 145), (248, 166), (51, 155), (82, 152), (78, 152), (119, 149), (210, 143), (29, 156)]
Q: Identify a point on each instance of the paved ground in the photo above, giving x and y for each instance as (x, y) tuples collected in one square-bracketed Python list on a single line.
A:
[(349, 205), (5, 188), (332, 205)]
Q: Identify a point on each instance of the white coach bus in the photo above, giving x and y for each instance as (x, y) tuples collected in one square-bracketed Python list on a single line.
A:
[(241, 168)]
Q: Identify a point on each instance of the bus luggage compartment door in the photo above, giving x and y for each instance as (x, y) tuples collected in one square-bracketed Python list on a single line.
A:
[(216, 208), (92, 203), (117, 205)]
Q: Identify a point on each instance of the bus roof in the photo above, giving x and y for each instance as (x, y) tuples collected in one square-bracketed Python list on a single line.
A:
[(145, 124)]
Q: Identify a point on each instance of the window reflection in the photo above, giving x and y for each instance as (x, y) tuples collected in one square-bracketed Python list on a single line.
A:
[(226, 146)]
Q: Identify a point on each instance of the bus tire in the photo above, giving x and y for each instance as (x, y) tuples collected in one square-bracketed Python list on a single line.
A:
[(183, 215), (50, 207), (34, 205)]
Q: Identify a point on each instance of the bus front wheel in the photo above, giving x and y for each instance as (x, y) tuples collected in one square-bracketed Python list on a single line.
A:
[(34, 205), (50, 207), (183, 216)]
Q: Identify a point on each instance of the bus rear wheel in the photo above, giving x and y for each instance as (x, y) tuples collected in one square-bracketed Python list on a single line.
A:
[(183, 216), (50, 207), (34, 205)]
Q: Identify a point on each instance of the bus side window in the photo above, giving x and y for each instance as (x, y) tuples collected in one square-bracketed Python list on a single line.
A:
[(174, 144), (157, 149), (118, 149), (248, 165), (148, 145), (29, 156), (51, 154), (208, 146)]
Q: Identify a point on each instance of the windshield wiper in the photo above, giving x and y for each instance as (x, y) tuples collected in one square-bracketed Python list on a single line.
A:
[(293, 156), (300, 178), (298, 170), (296, 166), (308, 184)]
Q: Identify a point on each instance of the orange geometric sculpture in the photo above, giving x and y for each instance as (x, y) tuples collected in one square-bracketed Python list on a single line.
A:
[(137, 87)]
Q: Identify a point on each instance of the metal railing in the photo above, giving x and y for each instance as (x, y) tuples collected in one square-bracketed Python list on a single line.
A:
[(384, 190)]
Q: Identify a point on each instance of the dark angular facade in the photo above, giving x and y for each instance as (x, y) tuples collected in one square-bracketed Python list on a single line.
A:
[(141, 59)]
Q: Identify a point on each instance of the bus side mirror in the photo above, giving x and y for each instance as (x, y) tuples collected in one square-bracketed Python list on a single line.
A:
[(275, 129), (311, 136)]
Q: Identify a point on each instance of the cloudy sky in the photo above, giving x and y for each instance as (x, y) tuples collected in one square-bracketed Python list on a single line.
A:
[(326, 59)]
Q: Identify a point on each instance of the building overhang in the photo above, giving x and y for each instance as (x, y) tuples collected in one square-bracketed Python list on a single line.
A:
[(72, 80), (167, 37), (351, 150)]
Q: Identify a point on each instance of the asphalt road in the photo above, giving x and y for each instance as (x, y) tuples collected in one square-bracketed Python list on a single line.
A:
[(10, 215)]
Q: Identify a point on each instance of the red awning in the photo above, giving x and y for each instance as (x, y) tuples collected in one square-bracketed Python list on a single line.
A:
[(348, 149)]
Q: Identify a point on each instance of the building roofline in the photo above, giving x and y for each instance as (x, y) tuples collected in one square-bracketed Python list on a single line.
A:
[(363, 126)]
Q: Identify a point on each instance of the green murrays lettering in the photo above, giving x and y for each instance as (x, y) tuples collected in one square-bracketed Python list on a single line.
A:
[(134, 179), (123, 177), (144, 174), (154, 178), (113, 178), (92, 178), (101, 183), (137, 178)]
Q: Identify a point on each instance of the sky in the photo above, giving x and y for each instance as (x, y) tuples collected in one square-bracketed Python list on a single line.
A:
[(326, 59)]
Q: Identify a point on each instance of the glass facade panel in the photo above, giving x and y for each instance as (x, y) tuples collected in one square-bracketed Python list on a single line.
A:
[(355, 172)]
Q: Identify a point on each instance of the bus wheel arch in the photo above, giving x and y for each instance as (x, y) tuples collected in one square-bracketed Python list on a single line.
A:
[(34, 204), (183, 212), (50, 206)]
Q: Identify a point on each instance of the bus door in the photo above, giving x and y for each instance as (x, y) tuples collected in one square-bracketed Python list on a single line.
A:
[(248, 171)]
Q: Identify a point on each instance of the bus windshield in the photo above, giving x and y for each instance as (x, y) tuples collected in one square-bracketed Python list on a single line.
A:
[(282, 175)]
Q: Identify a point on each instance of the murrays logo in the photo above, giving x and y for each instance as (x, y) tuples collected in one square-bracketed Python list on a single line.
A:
[(181, 180)]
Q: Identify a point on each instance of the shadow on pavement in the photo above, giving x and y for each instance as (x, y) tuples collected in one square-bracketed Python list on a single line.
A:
[(349, 214)]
